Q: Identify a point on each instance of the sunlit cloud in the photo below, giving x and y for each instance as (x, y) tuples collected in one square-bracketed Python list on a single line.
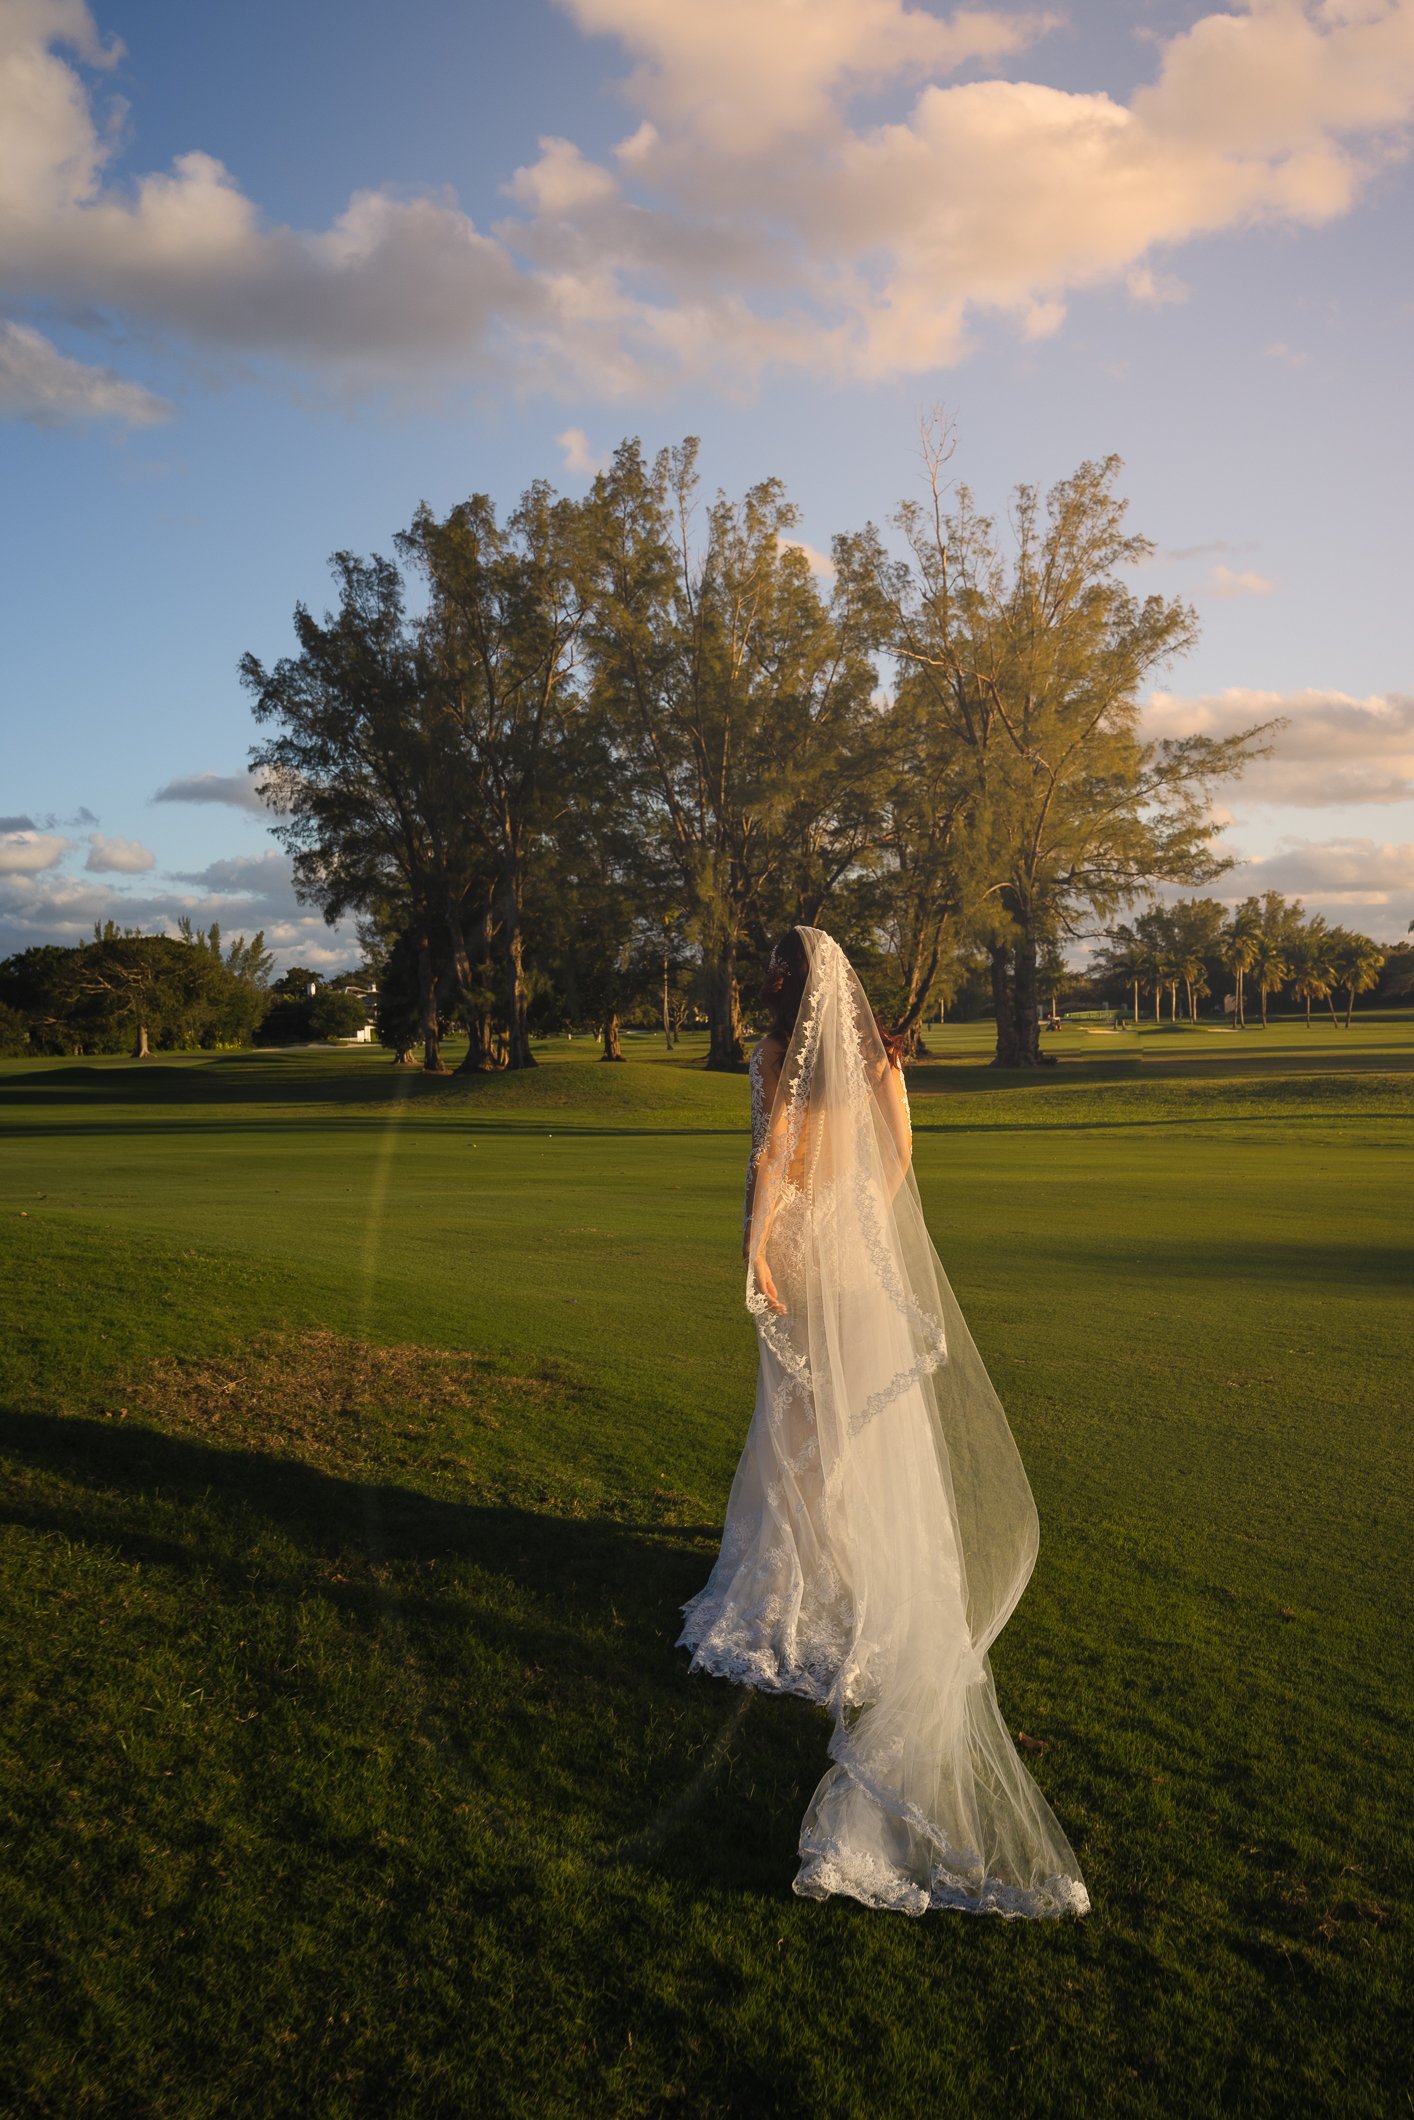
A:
[(26, 852), (579, 459), (1233, 581), (118, 857), (757, 214), (1334, 750)]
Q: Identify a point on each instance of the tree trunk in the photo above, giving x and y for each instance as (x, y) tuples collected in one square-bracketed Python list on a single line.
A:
[(1265, 1025), (406, 1057), (140, 1046), (609, 1032), (1005, 1055), (475, 1019), (724, 1047), (432, 1061), (518, 1053), (1136, 1003), (1330, 1004), (1026, 1002), (1349, 1005), (667, 1016)]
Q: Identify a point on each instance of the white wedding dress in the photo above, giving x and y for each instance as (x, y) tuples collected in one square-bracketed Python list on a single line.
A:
[(880, 1527)]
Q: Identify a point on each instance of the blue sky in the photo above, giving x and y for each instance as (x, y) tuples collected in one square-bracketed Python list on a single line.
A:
[(270, 276)]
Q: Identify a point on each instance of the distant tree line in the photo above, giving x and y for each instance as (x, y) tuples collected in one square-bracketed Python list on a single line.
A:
[(129, 992), (1266, 949), (590, 759)]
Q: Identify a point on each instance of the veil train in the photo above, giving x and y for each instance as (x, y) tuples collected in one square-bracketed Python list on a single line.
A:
[(880, 1528)]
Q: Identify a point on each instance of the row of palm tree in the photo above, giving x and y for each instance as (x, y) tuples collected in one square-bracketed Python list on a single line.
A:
[(1265, 944)]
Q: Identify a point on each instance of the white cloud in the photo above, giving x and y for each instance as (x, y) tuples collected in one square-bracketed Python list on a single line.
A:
[(1335, 749), (1229, 581), (1363, 882), (819, 563), (752, 217), (579, 459), (118, 857), (742, 75), (240, 791), (26, 852), (46, 387), (242, 894)]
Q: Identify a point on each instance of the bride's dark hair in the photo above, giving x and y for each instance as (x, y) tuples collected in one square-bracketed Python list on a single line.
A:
[(783, 988)]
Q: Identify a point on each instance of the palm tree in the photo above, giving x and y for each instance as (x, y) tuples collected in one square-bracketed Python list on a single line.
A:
[(1153, 972), (1357, 966), (1236, 950), (1122, 959), (1269, 967), (1312, 970)]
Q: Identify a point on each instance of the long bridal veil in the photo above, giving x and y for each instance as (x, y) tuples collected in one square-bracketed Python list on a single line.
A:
[(880, 1528)]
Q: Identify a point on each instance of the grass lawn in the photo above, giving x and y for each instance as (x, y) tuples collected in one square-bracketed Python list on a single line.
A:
[(360, 1436)]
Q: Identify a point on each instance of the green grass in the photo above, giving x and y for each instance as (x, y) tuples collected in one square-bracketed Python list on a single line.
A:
[(360, 1436)]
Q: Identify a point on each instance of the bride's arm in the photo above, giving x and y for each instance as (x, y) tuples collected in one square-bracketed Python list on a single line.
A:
[(764, 1196), (893, 1100)]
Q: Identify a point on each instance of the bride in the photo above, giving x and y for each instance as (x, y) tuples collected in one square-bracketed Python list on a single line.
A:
[(880, 1528)]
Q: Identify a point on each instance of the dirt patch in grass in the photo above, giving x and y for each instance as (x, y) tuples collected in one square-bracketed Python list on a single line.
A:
[(332, 1400)]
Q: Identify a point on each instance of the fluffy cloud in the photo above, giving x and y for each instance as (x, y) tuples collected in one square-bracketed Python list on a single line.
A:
[(1361, 883), (743, 75), (25, 852), (46, 387), (819, 563), (580, 460), (238, 790), (242, 894), (752, 217), (263, 878), (1334, 749), (118, 857)]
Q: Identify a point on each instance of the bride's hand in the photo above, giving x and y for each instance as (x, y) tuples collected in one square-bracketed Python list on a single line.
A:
[(767, 1285)]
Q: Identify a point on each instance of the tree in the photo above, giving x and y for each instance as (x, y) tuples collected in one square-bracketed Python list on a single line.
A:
[(1196, 927), (1270, 966), (351, 771), (1122, 960), (1312, 966), (1274, 925), (136, 978), (1035, 663), (336, 1014), (501, 643), (398, 1015), (742, 698), (14, 1033), (1356, 963), (38, 985), (1237, 946)]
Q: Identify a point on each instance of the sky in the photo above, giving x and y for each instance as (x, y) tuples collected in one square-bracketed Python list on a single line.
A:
[(271, 276)]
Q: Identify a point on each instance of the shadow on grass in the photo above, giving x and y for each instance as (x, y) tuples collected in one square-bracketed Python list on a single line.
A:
[(578, 1617)]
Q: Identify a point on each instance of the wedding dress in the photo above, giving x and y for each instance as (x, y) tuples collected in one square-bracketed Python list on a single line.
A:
[(880, 1527)]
